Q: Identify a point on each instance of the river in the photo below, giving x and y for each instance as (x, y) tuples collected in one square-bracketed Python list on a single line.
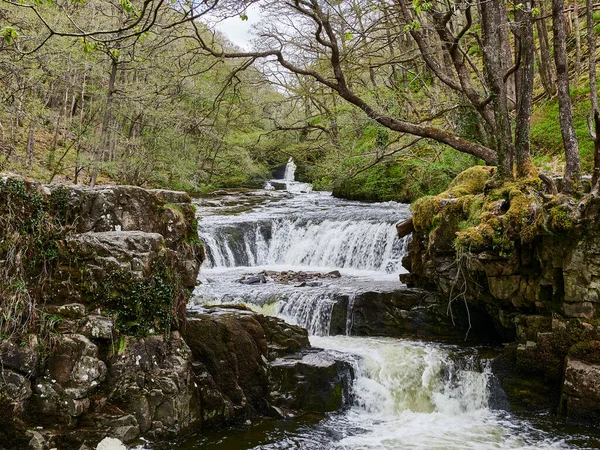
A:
[(407, 394)]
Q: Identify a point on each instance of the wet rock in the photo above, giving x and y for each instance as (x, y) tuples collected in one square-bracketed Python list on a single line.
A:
[(234, 358), (232, 349), (581, 391), (21, 354), (282, 338), (311, 381), (251, 280), (411, 312)]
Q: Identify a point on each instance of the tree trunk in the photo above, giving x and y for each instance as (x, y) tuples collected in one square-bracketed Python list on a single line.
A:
[(524, 105), (30, 144), (546, 65), (493, 45), (576, 28), (507, 57), (572, 168), (106, 120), (594, 120)]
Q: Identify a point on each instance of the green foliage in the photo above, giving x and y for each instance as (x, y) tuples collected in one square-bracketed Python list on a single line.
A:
[(546, 138), (31, 225), (406, 179), (9, 34), (141, 307)]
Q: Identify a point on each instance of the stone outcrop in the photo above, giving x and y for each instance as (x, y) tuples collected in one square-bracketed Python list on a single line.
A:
[(316, 381), (97, 282), (530, 262), (249, 364), (409, 313)]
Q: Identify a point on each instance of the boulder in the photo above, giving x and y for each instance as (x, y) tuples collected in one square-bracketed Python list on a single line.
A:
[(151, 379), (581, 391), (316, 381)]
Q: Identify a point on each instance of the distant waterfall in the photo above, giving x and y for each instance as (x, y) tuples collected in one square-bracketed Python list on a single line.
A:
[(290, 171)]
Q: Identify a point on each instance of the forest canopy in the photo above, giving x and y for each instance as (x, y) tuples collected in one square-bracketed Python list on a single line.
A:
[(384, 99)]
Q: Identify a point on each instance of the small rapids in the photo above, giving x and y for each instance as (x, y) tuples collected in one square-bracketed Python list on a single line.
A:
[(407, 394)]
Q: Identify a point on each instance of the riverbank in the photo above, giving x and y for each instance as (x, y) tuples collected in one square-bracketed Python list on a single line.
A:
[(529, 259), (96, 340)]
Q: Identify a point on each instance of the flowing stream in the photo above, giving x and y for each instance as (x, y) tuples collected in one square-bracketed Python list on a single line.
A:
[(407, 394)]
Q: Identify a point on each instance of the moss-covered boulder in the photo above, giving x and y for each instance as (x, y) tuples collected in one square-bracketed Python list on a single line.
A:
[(528, 259)]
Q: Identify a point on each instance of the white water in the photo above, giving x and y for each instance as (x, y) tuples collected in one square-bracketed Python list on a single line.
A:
[(313, 231), (407, 394), (413, 395), (290, 171)]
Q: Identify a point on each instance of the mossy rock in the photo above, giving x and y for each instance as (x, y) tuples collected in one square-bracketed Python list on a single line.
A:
[(471, 181), (588, 351)]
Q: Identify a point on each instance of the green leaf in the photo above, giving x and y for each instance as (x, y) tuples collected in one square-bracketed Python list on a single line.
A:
[(127, 6), (414, 25), (9, 34), (348, 36), (244, 16)]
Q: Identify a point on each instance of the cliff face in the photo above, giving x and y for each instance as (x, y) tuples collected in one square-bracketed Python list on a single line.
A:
[(95, 340), (530, 261)]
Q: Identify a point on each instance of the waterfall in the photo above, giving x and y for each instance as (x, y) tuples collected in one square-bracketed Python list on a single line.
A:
[(344, 244), (393, 376), (311, 233), (290, 171), (309, 310), (407, 395)]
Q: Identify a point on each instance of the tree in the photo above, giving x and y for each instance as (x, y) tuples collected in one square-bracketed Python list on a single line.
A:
[(594, 118), (572, 168), (343, 37)]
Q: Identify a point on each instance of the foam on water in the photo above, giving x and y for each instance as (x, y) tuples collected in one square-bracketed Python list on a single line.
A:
[(407, 394)]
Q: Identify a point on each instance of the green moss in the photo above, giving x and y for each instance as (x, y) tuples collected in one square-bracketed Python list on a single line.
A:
[(560, 219), (478, 214), (587, 351), (140, 307), (335, 399), (423, 211), (471, 181)]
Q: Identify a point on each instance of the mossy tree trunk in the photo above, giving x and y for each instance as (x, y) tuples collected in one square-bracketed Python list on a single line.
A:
[(525, 79), (567, 129)]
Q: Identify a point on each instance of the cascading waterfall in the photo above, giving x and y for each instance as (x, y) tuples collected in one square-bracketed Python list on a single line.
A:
[(407, 395), (312, 311), (346, 244)]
